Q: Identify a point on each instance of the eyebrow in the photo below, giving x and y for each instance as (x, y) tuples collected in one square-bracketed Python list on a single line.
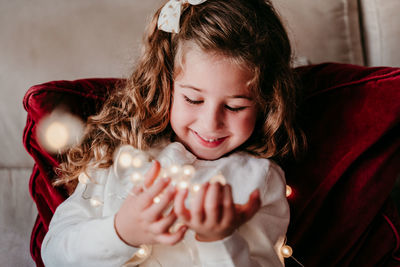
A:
[(199, 90)]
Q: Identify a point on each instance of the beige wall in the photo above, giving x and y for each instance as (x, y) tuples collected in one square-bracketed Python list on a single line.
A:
[(43, 40)]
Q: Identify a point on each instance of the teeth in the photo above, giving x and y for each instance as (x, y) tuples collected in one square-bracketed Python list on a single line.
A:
[(208, 140)]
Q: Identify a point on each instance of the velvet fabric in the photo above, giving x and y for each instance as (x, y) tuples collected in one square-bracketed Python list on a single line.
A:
[(341, 211)]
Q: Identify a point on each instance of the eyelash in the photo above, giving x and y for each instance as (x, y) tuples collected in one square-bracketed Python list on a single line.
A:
[(193, 102)]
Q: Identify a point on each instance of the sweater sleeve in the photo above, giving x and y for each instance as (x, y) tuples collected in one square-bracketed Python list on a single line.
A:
[(257, 242), (80, 236)]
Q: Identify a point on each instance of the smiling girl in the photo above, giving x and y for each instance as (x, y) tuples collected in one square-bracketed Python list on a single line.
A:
[(213, 89)]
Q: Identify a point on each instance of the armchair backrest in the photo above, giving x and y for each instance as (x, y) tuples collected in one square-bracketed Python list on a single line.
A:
[(340, 209)]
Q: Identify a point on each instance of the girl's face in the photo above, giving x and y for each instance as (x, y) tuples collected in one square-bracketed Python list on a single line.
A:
[(213, 111)]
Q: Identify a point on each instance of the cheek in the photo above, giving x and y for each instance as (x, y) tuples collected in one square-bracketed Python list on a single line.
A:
[(245, 124), (180, 114)]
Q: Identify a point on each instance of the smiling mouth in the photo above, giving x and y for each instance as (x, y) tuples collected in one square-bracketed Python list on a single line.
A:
[(210, 142)]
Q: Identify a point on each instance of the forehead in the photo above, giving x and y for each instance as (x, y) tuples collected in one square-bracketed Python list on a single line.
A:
[(212, 70)]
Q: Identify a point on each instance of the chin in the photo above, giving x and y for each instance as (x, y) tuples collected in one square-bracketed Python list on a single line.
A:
[(208, 156)]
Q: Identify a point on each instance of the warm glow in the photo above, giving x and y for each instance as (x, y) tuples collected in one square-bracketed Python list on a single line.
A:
[(125, 159), (83, 178), (136, 177), (163, 173), (174, 169), (196, 188), (59, 131), (156, 200), (188, 170), (286, 251), (183, 184), (57, 135), (143, 252), (96, 202), (137, 161), (289, 191)]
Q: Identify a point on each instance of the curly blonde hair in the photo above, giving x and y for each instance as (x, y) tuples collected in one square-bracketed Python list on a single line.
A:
[(137, 111)]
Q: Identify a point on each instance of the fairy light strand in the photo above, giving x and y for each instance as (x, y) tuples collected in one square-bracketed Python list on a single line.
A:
[(130, 162)]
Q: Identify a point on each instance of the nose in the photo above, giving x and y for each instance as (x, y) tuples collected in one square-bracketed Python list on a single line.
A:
[(212, 118)]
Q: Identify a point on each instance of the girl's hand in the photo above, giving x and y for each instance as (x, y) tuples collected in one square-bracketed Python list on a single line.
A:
[(140, 220), (213, 215)]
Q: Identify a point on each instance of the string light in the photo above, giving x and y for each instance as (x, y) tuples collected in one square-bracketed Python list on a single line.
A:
[(138, 161), (174, 169), (125, 159), (195, 188), (289, 191), (96, 201), (59, 131), (188, 170), (144, 251), (136, 177), (132, 161), (163, 173), (57, 135), (286, 251), (83, 178), (183, 184), (156, 200)]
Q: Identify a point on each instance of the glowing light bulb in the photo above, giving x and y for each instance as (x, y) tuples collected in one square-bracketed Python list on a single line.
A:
[(138, 161), (183, 184), (83, 178), (136, 177), (286, 251), (219, 178), (163, 173), (96, 201), (56, 135), (59, 130), (195, 187), (125, 159), (174, 169), (156, 200), (188, 170), (289, 191), (143, 252)]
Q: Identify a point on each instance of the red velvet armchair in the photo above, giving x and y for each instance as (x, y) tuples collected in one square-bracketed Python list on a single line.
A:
[(341, 210)]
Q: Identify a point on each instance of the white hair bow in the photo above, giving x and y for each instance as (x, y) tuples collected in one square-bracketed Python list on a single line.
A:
[(170, 14)]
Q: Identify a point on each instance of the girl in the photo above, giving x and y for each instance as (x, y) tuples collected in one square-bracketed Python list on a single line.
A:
[(214, 89)]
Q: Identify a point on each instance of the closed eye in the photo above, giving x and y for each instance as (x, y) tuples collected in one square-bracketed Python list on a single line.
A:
[(193, 102), (235, 109)]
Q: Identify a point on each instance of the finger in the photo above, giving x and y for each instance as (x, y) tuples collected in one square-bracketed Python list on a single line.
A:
[(212, 203), (172, 239), (151, 174), (227, 206), (179, 205), (135, 191), (197, 204), (147, 198), (247, 210), (154, 212), (163, 225)]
